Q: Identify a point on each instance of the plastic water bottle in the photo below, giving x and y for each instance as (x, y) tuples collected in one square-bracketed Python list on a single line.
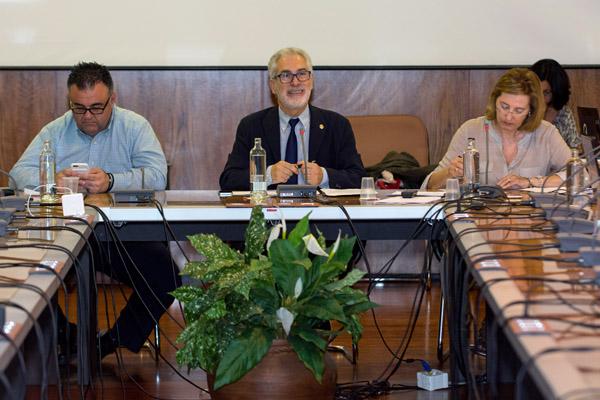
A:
[(471, 167), (575, 179), (258, 172), (47, 174)]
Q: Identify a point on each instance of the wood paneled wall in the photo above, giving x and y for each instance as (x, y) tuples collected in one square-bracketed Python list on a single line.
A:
[(195, 112)]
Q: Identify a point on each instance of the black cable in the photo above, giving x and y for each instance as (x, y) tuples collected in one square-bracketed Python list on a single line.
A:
[(42, 294), (119, 243), (121, 248), (52, 315), (121, 251), (20, 360), (40, 339), (167, 228), (377, 385), (76, 268), (8, 388)]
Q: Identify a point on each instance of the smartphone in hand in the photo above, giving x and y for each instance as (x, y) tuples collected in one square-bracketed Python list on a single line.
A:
[(80, 168)]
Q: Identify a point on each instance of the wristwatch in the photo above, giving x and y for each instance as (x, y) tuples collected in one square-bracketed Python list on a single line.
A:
[(111, 181)]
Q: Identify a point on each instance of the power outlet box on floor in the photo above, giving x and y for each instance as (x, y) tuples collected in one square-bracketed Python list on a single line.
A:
[(432, 380)]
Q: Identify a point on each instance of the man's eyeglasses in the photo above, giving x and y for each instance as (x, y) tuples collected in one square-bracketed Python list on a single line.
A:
[(287, 77), (519, 111), (95, 110)]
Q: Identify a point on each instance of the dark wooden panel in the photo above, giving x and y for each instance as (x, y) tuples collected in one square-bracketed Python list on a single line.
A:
[(195, 112), (585, 88)]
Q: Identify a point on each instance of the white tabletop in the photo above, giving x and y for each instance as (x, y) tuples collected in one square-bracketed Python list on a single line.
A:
[(202, 205)]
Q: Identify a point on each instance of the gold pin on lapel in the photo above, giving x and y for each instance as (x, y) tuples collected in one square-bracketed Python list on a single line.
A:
[(321, 126)]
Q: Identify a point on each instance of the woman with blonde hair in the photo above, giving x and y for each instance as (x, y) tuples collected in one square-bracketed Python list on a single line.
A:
[(517, 148)]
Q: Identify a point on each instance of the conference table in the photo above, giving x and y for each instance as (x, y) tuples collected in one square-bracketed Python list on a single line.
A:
[(187, 212), (32, 289), (542, 316), (555, 374), (205, 211)]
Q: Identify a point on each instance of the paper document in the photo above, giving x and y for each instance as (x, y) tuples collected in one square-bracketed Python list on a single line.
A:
[(539, 189), (411, 200), (425, 193)]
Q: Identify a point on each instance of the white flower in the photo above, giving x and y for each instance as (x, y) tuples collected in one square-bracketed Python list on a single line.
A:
[(336, 245), (298, 288), (283, 226), (286, 318), (274, 234), (313, 246)]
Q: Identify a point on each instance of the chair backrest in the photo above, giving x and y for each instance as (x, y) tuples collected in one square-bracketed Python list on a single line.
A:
[(588, 116), (376, 135)]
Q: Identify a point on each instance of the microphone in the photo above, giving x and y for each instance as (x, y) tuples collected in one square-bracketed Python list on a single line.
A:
[(304, 156)]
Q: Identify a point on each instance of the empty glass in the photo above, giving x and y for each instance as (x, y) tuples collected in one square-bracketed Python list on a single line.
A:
[(367, 189), (70, 184), (452, 189)]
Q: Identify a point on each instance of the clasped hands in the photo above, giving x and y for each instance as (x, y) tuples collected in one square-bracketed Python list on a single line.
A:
[(510, 181), (95, 180), (282, 171)]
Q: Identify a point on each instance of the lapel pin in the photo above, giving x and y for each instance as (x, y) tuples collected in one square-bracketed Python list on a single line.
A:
[(321, 126)]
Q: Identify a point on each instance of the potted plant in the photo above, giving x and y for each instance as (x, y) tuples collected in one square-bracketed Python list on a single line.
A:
[(285, 285)]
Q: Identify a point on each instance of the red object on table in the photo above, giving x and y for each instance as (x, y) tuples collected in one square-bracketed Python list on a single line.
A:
[(381, 184)]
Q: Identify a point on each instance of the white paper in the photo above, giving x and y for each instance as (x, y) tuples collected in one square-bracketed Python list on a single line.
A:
[(411, 200), (539, 189), (424, 193)]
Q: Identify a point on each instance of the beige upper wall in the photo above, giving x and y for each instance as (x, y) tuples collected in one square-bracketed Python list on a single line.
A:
[(335, 32)]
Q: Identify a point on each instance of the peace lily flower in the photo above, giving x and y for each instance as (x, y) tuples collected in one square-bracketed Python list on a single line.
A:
[(313, 246), (274, 234), (277, 229), (336, 245), (298, 288), (286, 318)]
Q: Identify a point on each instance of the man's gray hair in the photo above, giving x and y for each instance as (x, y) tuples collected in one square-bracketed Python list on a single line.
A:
[(287, 51)]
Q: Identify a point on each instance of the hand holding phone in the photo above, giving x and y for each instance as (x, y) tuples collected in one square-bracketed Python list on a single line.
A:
[(80, 168)]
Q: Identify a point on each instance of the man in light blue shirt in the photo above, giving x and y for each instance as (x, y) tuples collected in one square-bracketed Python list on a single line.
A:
[(119, 145), (122, 152)]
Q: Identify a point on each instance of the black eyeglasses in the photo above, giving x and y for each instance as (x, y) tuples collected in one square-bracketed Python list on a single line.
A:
[(95, 110), (287, 77)]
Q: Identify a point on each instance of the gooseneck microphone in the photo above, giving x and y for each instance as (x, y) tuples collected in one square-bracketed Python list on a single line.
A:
[(304, 156)]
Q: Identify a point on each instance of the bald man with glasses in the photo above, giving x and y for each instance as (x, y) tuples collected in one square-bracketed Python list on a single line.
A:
[(293, 131)]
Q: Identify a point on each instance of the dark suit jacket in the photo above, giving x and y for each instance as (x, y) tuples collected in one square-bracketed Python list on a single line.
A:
[(331, 145)]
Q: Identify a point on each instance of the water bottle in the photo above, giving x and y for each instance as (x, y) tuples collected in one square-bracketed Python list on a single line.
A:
[(258, 172), (47, 174), (575, 179), (471, 167)]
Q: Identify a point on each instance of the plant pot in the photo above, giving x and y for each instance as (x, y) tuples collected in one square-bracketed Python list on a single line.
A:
[(280, 375)]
